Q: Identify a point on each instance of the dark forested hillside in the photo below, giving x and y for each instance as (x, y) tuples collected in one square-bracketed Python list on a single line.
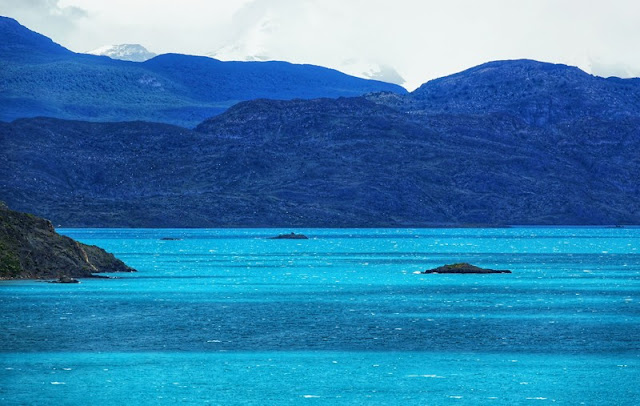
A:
[(363, 162)]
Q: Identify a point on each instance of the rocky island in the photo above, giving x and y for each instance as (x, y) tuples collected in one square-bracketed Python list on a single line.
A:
[(463, 267), (291, 236), (30, 248)]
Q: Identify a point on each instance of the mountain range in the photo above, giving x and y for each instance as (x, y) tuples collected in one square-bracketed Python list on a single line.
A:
[(41, 78), (506, 142)]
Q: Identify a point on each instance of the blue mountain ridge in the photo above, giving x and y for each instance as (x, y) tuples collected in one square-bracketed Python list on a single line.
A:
[(506, 142), (347, 162), (41, 78)]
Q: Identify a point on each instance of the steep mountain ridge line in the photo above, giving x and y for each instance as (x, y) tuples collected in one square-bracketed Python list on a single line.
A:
[(19, 41), (541, 93)]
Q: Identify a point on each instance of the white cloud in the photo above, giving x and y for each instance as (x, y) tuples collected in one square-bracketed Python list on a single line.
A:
[(417, 39), (51, 8), (48, 17), (427, 39)]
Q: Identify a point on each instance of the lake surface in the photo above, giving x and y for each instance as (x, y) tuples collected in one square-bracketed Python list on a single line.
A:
[(232, 317)]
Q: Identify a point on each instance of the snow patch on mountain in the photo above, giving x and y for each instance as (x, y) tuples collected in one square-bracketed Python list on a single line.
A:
[(370, 70), (125, 52), (239, 52), (265, 35), (258, 52)]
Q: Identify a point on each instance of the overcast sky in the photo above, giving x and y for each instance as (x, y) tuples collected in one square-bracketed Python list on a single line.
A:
[(418, 39)]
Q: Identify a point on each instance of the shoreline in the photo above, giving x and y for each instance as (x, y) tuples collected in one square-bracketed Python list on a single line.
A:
[(427, 227)]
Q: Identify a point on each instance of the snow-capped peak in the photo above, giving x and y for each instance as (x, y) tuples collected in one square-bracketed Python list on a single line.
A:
[(240, 53), (125, 52), (368, 69)]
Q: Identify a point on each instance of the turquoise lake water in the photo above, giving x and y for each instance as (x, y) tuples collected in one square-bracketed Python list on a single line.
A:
[(232, 317)]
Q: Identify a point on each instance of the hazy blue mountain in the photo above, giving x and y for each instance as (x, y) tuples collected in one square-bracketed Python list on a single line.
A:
[(380, 160), (41, 78)]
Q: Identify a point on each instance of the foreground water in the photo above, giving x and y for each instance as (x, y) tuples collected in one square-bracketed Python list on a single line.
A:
[(231, 317)]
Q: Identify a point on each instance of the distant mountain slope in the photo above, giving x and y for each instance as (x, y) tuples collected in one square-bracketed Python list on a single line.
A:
[(539, 93), (324, 163), (41, 78), (509, 142), (386, 167)]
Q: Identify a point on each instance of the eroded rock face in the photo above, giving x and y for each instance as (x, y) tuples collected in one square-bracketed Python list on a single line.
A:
[(31, 248), (463, 267)]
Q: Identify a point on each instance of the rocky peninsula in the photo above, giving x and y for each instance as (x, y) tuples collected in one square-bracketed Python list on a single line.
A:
[(30, 248)]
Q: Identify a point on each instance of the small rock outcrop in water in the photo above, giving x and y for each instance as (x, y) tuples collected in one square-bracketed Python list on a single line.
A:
[(291, 236), (30, 248), (65, 279), (463, 267)]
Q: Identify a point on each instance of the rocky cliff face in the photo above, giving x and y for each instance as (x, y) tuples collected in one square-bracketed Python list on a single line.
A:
[(31, 248)]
